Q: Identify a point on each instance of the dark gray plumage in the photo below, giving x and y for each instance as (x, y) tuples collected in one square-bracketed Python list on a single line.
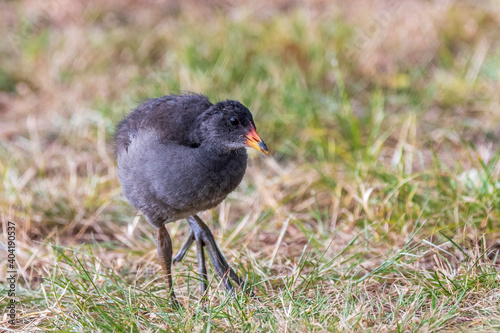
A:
[(179, 155)]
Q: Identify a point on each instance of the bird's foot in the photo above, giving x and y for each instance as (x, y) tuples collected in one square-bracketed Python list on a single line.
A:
[(204, 236)]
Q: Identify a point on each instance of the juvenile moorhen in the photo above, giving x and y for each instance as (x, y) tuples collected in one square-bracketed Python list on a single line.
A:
[(179, 155)]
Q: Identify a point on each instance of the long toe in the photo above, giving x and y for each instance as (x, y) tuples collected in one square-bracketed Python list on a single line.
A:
[(185, 247), (203, 235), (202, 268), (222, 267)]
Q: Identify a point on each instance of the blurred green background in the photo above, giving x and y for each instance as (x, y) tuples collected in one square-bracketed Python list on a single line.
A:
[(383, 120)]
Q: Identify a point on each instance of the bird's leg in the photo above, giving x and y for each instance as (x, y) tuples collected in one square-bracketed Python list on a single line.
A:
[(202, 268), (185, 247), (164, 246), (203, 233)]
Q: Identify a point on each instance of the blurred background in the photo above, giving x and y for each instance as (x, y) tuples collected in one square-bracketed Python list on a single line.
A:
[(382, 118)]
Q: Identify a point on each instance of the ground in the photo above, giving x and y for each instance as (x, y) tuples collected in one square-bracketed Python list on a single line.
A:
[(378, 209)]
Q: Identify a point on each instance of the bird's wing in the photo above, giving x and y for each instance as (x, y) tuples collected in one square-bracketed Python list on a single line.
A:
[(170, 116)]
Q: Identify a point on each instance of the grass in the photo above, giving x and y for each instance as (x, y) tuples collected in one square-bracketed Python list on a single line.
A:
[(378, 210)]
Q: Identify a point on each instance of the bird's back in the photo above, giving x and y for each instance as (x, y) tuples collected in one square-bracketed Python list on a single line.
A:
[(170, 116)]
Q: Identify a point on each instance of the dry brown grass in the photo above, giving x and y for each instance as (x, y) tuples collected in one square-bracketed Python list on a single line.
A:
[(378, 210)]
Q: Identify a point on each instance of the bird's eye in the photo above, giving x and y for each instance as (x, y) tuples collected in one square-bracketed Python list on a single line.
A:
[(234, 121)]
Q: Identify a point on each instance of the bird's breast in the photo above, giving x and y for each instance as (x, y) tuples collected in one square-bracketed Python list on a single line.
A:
[(222, 174)]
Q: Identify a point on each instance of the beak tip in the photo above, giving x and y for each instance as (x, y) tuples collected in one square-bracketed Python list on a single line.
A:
[(263, 148)]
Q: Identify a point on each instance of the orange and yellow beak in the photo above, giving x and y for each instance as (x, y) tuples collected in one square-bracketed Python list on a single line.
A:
[(254, 141)]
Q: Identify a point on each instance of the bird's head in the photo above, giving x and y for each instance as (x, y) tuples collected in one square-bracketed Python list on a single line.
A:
[(228, 125)]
